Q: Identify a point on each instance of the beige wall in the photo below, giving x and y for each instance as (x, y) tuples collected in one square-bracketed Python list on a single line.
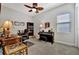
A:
[(8, 13), (50, 16)]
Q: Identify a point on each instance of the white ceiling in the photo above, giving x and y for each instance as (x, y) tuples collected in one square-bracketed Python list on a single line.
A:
[(20, 7)]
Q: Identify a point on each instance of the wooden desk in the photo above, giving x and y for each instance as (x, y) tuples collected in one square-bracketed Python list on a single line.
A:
[(18, 50), (9, 41), (1, 40)]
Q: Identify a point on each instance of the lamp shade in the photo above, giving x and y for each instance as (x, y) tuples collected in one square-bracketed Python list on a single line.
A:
[(41, 25), (7, 24)]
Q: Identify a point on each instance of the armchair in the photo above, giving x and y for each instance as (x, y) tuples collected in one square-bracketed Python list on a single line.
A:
[(24, 34)]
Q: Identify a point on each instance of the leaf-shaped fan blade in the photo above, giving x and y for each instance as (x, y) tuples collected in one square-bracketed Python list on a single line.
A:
[(27, 6), (30, 10), (40, 8)]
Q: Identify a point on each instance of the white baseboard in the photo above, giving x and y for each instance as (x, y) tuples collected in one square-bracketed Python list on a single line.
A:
[(66, 43)]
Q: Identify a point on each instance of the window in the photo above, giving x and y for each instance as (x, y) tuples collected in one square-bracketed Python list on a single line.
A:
[(63, 23)]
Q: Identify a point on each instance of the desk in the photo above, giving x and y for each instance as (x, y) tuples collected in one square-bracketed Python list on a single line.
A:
[(9, 41), (18, 50), (1, 40)]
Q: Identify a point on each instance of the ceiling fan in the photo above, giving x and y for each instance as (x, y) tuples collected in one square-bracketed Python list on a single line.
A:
[(35, 7)]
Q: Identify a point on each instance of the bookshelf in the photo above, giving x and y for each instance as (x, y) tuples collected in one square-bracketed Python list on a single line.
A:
[(30, 28)]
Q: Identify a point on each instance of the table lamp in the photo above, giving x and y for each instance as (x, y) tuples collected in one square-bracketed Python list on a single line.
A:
[(6, 28)]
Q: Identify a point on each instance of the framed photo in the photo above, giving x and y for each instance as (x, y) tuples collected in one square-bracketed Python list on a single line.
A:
[(47, 24), (16, 23)]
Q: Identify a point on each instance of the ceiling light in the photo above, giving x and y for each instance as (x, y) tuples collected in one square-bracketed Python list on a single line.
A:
[(33, 10)]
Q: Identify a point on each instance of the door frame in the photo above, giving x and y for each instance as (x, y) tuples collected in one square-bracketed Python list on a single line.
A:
[(76, 17)]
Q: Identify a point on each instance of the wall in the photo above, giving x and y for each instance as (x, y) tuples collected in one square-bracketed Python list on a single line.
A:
[(10, 14), (77, 24), (50, 16)]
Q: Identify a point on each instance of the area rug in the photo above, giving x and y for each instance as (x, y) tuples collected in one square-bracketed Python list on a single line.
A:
[(0, 51), (28, 43)]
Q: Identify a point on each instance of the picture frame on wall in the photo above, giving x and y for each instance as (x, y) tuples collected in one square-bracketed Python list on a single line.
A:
[(47, 24), (16, 23)]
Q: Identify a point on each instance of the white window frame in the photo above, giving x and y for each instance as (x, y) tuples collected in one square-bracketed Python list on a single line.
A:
[(62, 22)]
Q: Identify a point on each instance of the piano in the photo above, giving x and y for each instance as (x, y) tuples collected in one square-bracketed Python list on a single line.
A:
[(47, 36)]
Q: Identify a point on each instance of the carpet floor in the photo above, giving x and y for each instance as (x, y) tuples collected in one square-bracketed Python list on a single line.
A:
[(46, 48)]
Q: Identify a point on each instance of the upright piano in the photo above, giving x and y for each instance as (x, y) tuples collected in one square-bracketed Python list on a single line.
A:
[(47, 36)]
